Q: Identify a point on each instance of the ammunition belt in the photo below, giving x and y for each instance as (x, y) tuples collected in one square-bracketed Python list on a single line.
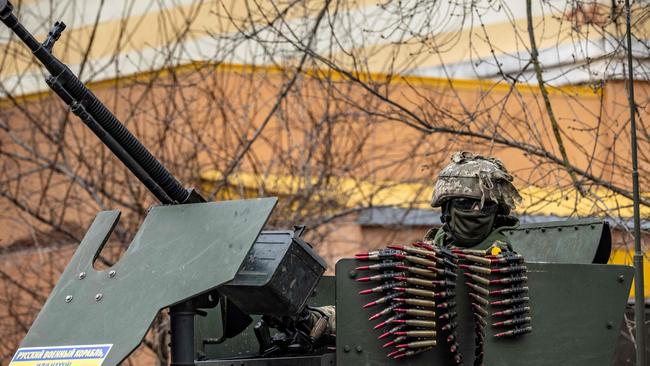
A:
[(416, 285)]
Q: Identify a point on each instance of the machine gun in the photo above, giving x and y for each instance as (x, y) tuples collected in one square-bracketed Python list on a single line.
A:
[(190, 255), (255, 282)]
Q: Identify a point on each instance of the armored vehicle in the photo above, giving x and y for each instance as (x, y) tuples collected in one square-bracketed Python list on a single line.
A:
[(240, 295)]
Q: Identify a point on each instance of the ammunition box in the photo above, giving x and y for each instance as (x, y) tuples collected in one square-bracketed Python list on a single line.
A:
[(277, 277)]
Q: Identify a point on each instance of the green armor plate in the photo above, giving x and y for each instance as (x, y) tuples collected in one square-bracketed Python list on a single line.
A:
[(179, 252), (576, 311)]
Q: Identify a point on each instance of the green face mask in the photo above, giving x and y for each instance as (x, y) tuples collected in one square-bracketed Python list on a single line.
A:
[(470, 227)]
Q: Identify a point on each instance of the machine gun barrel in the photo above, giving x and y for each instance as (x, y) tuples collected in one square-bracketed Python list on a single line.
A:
[(97, 116)]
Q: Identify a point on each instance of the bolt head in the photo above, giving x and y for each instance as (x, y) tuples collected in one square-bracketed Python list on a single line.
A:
[(621, 278), (610, 325), (82, 275), (68, 298), (346, 348), (353, 273), (359, 349), (98, 296), (111, 273)]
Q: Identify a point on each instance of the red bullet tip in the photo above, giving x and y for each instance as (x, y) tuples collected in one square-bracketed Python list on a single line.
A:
[(394, 353), (372, 303), (384, 335), (363, 268), (363, 279), (388, 344), (364, 292)]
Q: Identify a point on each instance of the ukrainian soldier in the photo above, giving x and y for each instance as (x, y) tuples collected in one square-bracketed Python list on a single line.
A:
[(476, 196)]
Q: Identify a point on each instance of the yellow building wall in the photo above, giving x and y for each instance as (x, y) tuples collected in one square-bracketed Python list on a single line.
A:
[(626, 257)]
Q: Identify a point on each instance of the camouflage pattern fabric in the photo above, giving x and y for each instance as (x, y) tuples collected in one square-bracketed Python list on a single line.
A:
[(436, 236), (475, 176)]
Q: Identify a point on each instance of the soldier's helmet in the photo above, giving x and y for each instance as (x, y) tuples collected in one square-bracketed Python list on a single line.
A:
[(475, 176)]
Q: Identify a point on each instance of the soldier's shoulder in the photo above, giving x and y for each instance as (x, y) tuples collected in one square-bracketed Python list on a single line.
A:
[(433, 236)]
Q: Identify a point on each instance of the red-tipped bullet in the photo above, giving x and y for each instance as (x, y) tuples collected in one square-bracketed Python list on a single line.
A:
[(384, 312), (512, 311), (394, 341), (514, 332), (453, 348), (478, 279), (382, 288), (389, 320), (391, 331), (377, 266), (372, 303), (381, 277), (508, 280), (426, 246), (510, 290), (448, 316), (382, 300), (515, 321), (394, 353), (479, 289), (511, 301)]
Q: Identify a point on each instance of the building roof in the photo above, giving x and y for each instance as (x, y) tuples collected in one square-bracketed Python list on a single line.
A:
[(132, 37)]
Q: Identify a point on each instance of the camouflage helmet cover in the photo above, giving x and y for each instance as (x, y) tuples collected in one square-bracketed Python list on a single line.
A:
[(475, 176)]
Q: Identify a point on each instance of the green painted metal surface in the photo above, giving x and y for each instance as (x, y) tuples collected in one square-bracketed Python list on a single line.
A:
[(571, 241), (577, 312), (178, 252), (245, 344)]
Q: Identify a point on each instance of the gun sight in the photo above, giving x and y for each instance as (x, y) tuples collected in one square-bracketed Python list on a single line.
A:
[(53, 35)]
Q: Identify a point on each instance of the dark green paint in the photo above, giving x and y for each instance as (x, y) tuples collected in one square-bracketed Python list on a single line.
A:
[(572, 241), (577, 312), (178, 252)]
